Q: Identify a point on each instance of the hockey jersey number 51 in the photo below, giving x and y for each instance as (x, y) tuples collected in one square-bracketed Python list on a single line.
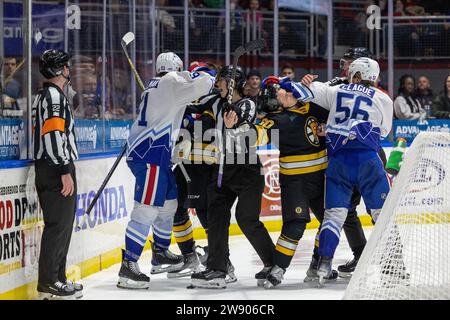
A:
[(161, 112)]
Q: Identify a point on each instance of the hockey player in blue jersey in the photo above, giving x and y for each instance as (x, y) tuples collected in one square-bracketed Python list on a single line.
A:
[(150, 148), (360, 115)]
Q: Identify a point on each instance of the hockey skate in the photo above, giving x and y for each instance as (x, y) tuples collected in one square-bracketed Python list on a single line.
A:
[(165, 261), (274, 277), (346, 270), (131, 277), (77, 287), (209, 279), (56, 291), (324, 270), (231, 277), (202, 253), (261, 277), (311, 273), (191, 265)]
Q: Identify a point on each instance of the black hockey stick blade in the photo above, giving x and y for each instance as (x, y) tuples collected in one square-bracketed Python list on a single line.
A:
[(254, 45)]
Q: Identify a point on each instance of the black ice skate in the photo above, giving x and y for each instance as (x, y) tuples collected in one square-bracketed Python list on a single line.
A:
[(131, 277), (274, 277), (325, 269), (209, 279), (191, 265), (231, 277), (77, 287), (346, 270), (165, 261), (55, 291), (202, 253), (311, 273), (261, 276)]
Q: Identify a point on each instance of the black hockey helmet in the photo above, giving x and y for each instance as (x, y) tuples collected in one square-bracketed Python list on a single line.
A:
[(355, 53), (52, 63), (267, 98), (226, 73)]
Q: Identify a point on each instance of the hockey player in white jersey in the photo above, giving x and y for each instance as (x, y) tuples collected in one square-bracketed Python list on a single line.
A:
[(150, 148), (360, 115)]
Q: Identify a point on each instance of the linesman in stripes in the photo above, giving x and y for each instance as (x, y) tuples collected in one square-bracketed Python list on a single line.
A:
[(303, 160), (54, 153)]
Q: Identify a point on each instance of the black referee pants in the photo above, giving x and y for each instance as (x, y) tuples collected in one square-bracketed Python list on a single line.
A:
[(245, 183), (59, 215)]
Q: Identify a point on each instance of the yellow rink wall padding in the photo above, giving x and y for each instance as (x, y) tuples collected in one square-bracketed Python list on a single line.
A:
[(109, 258)]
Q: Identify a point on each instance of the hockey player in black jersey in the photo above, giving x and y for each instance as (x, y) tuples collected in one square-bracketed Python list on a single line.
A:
[(242, 180), (192, 195), (303, 161)]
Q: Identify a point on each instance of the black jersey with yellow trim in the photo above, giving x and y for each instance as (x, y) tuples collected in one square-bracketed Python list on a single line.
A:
[(301, 149), (203, 148)]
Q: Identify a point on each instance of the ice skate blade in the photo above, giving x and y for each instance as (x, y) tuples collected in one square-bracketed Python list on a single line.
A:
[(216, 284), (166, 268), (78, 295), (229, 279), (260, 282), (310, 279), (125, 283), (321, 282), (345, 275), (176, 275), (50, 296)]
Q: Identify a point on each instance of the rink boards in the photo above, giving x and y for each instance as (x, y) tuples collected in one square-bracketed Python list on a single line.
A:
[(98, 245)]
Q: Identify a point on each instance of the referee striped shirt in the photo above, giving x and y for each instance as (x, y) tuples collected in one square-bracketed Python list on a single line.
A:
[(54, 133)]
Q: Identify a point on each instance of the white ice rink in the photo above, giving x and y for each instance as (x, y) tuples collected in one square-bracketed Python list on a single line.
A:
[(102, 285)]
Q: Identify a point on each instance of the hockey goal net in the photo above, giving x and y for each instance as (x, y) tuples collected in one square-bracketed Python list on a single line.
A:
[(408, 253)]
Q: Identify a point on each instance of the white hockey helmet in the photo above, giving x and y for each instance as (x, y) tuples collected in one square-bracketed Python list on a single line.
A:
[(168, 61), (367, 68)]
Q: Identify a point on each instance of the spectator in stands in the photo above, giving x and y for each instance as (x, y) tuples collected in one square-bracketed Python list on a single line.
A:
[(255, 18), (122, 106), (407, 36), (424, 94), (253, 84), (288, 70), (82, 64), (171, 35), (87, 104), (11, 87), (406, 106), (441, 104)]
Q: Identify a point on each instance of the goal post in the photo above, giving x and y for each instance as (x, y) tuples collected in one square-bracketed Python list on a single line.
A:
[(408, 253)]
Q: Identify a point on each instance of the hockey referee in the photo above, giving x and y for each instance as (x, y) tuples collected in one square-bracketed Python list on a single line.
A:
[(54, 153)]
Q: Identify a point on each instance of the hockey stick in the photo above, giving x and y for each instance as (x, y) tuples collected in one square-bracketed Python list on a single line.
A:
[(238, 52), (99, 192), (126, 40)]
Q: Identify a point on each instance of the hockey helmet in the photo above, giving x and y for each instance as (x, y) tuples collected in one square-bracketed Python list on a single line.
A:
[(227, 72), (368, 69), (267, 98), (353, 54), (168, 61), (52, 62)]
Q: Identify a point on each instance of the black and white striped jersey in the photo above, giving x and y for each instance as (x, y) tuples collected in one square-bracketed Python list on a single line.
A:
[(54, 133)]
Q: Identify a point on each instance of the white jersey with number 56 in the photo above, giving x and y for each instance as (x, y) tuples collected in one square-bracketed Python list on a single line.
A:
[(356, 112), (161, 112)]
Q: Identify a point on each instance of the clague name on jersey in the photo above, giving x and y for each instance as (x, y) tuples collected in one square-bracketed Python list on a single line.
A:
[(359, 88)]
